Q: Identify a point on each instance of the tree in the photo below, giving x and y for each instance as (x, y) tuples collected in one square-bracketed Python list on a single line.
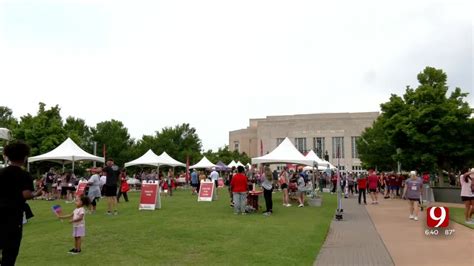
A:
[(226, 156), (430, 130), (6, 118), (43, 132), (79, 132), (179, 142), (114, 135)]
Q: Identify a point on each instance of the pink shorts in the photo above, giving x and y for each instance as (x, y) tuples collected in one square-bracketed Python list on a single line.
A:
[(78, 231)]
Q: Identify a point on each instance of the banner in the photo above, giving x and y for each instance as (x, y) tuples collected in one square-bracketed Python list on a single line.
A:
[(81, 187), (150, 196), (206, 191)]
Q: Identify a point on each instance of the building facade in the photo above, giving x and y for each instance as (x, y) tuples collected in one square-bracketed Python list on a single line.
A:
[(332, 134)]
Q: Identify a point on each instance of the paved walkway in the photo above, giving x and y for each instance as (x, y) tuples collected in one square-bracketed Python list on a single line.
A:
[(354, 240), (407, 243)]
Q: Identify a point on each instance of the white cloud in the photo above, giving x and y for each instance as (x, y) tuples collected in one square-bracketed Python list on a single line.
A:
[(215, 64)]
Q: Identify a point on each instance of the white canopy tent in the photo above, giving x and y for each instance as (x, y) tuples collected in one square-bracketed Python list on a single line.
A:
[(165, 159), (240, 164), (203, 163), (67, 151), (284, 153), (232, 164), (149, 158), (5, 134), (322, 164)]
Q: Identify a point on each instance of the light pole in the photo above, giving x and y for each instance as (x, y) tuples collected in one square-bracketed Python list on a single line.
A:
[(399, 165), (339, 192)]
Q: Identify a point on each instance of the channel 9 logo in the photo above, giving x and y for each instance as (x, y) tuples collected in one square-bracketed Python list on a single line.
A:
[(437, 217)]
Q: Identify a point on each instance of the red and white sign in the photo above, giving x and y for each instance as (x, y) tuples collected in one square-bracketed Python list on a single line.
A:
[(81, 188), (437, 217), (149, 196), (206, 191), (220, 182)]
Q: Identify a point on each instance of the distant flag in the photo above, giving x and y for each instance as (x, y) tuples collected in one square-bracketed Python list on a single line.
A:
[(57, 210)]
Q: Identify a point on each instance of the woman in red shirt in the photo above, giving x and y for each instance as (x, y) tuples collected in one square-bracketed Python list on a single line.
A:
[(373, 180)]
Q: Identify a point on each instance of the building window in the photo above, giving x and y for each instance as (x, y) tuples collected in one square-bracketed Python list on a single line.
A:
[(300, 144), (319, 146), (236, 146), (279, 141), (355, 154), (338, 147), (342, 168)]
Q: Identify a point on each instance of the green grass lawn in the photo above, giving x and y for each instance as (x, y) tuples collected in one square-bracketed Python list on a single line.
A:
[(183, 232), (457, 215)]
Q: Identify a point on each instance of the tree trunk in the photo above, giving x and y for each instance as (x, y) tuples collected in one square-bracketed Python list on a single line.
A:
[(440, 178)]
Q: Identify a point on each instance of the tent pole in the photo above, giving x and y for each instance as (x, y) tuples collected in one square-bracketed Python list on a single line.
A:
[(73, 164)]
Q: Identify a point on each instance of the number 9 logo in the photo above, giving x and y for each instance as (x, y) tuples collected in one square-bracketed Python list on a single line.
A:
[(437, 217)]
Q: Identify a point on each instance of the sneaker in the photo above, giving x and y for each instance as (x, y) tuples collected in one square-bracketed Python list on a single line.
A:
[(109, 213), (416, 218), (74, 251), (301, 205), (115, 212), (469, 222), (288, 205), (244, 213), (411, 217), (266, 213)]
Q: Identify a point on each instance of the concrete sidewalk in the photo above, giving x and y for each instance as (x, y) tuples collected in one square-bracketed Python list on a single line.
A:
[(354, 240), (407, 243)]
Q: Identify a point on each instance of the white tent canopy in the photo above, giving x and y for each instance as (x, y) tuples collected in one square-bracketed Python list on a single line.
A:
[(165, 159), (240, 164), (67, 151), (203, 163), (232, 164), (150, 158), (5, 134), (322, 164), (284, 153)]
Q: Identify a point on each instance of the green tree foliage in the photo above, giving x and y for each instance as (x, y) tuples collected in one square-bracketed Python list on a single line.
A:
[(226, 156), (179, 142), (6, 118), (43, 132), (79, 132), (114, 135), (431, 130)]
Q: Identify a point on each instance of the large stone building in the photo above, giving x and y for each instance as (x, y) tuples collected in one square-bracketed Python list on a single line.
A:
[(323, 133)]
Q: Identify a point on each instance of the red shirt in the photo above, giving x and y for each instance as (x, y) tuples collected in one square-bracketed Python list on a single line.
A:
[(373, 181), (239, 183), (362, 183)]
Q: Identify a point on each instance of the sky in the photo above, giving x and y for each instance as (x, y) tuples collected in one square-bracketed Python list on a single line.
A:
[(216, 64)]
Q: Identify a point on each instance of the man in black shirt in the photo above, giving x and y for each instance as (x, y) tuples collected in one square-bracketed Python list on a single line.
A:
[(48, 183), (16, 187), (112, 172)]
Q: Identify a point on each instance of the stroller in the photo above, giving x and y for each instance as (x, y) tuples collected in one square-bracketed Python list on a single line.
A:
[(292, 189)]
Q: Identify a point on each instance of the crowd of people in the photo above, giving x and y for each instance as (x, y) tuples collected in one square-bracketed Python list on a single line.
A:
[(110, 182)]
